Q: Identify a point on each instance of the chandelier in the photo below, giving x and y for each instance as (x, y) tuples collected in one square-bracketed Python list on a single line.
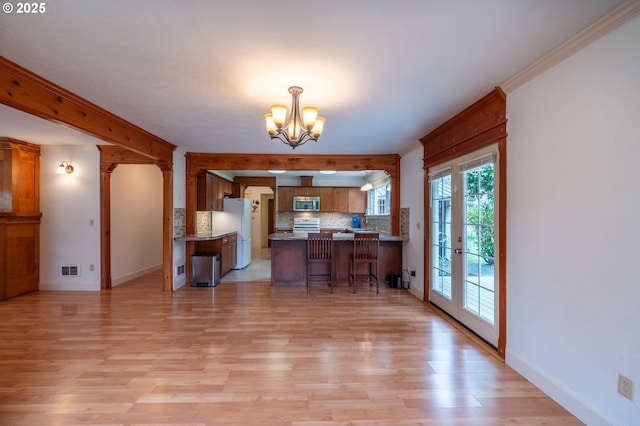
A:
[(299, 128)]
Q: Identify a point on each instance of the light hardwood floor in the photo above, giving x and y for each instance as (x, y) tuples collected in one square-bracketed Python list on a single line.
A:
[(250, 353)]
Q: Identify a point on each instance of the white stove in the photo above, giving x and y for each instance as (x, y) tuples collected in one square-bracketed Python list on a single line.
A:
[(306, 224)]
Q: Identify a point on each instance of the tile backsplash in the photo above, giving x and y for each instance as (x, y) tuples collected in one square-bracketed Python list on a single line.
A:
[(179, 217), (203, 222), (337, 220)]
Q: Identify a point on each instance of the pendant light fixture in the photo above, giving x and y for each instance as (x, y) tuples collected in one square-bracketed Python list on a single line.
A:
[(298, 128)]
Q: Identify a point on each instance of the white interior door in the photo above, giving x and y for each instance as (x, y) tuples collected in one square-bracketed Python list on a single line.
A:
[(463, 240)]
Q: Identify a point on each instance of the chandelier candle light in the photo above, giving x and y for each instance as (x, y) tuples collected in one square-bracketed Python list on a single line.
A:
[(299, 128)]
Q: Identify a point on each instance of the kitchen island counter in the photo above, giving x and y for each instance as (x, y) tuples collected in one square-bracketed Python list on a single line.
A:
[(289, 257)]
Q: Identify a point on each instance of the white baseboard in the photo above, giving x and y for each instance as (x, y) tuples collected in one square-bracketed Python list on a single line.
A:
[(556, 391), (133, 275), (69, 286)]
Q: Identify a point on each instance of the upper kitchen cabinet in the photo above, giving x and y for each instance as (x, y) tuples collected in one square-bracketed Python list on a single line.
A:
[(357, 200), (326, 199), (285, 198), (211, 192), (306, 191), (340, 199)]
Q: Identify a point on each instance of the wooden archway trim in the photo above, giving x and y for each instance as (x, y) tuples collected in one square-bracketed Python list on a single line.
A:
[(110, 158), (479, 125), (197, 162), (268, 181), (26, 91)]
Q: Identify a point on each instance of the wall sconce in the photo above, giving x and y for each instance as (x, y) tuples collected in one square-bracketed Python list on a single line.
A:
[(65, 167)]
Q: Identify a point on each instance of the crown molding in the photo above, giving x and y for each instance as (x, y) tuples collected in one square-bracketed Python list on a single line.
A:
[(593, 32)]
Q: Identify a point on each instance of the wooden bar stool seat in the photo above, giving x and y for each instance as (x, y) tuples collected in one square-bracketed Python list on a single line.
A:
[(320, 267), (364, 258)]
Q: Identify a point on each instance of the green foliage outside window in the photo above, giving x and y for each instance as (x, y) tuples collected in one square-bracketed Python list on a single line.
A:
[(480, 209)]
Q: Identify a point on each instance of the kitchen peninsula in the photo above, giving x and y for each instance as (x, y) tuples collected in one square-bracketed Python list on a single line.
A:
[(223, 243), (289, 257)]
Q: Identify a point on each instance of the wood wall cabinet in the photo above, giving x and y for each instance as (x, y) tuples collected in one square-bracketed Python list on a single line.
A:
[(211, 190), (19, 217), (326, 199), (340, 200), (306, 191), (285, 199), (357, 200)]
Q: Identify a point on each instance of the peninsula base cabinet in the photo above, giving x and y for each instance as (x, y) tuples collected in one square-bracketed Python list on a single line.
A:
[(289, 261), (226, 246)]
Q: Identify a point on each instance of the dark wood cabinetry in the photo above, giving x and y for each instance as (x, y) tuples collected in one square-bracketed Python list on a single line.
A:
[(285, 199), (19, 217), (229, 253), (289, 260), (226, 246), (326, 199), (306, 191), (212, 189), (357, 201), (340, 203), (340, 199)]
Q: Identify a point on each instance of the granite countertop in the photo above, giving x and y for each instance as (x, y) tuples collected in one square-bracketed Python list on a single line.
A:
[(346, 236), (204, 236)]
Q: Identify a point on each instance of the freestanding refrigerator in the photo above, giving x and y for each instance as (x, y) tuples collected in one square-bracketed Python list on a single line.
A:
[(237, 216)]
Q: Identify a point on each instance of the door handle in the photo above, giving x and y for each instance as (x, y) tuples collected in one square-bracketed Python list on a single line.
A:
[(458, 251)]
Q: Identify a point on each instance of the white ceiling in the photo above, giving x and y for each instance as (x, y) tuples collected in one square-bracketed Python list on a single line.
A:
[(202, 73)]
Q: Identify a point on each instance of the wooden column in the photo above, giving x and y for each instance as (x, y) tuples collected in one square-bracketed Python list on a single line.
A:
[(167, 228), (105, 225), (110, 157)]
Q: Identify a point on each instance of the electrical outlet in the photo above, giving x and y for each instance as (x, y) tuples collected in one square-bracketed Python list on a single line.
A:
[(92, 267), (625, 387)]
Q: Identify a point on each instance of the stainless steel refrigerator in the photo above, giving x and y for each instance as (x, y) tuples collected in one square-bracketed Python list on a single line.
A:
[(237, 217)]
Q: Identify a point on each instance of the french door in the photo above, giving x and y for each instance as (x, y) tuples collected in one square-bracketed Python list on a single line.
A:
[(463, 240)]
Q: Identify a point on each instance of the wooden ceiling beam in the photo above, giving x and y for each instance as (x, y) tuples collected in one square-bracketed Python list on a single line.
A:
[(26, 91)]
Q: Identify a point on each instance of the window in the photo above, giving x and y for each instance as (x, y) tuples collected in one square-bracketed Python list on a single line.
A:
[(379, 200)]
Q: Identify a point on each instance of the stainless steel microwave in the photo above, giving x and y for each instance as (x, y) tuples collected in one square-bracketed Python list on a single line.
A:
[(306, 204)]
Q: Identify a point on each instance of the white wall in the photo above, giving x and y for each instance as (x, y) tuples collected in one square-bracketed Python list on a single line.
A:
[(412, 196), (254, 193), (136, 221), (69, 203), (573, 286)]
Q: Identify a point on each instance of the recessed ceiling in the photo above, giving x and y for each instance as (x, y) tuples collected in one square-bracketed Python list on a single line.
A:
[(201, 74)]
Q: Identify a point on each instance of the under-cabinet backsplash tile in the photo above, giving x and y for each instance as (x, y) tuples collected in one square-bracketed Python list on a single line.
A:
[(405, 222), (179, 215), (203, 222)]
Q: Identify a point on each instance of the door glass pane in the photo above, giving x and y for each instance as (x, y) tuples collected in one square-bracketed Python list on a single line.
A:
[(441, 236), (479, 290)]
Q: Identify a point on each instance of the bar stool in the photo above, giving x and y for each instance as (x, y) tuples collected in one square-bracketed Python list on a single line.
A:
[(365, 252), (320, 267)]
